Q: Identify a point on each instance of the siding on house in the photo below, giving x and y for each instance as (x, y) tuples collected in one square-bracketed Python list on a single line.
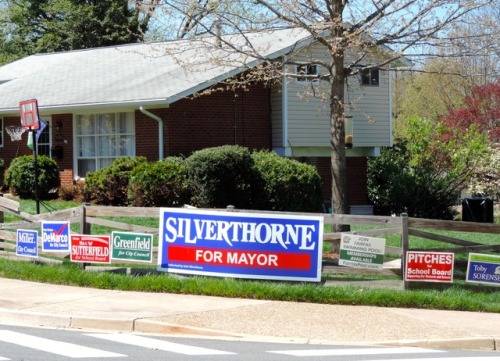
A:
[(308, 115)]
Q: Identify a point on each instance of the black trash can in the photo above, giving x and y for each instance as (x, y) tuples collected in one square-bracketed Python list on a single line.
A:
[(477, 209)]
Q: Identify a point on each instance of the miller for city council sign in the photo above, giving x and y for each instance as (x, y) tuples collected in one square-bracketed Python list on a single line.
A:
[(361, 252), (55, 236), (90, 248), (27, 243), (429, 266), (483, 268), (132, 246), (241, 245)]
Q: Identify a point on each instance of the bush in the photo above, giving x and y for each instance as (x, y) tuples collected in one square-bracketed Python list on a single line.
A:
[(159, 184), (288, 185), (222, 176), (109, 186), (20, 177), (394, 187)]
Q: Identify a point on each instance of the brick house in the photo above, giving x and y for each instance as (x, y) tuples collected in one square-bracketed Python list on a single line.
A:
[(137, 99)]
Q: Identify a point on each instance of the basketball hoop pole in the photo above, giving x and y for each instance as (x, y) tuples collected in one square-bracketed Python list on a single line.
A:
[(29, 119), (32, 134)]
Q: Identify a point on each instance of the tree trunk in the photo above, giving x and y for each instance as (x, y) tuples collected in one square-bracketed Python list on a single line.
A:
[(340, 203)]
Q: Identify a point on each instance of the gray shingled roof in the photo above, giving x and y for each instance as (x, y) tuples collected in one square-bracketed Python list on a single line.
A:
[(149, 74)]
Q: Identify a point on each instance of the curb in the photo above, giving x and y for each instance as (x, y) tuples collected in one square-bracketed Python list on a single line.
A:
[(472, 343), (27, 318)]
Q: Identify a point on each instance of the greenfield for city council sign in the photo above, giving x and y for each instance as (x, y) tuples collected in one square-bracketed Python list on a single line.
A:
[(483, 268), (240, 245), (361, 252), (137, 247)]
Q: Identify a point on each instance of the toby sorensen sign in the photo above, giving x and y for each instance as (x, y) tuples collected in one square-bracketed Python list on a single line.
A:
[(240, 245)]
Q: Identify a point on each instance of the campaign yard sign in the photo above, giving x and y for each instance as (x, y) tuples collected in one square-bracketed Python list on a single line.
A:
[(483, 268), (55, 236), (361, 252), (429, 266), (27, 243), (90, 248), (129, 246), (240, 245)]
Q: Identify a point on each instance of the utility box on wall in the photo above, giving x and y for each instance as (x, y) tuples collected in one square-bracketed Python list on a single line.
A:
[(57, 152), (477, 209)]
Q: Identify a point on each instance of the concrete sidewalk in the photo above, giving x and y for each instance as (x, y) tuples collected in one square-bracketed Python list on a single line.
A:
[(39, 304)]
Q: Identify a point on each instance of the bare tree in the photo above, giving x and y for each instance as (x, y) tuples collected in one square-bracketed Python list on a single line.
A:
[(411, 28)]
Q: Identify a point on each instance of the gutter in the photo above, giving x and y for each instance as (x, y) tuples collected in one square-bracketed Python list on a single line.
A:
[(160, 129)]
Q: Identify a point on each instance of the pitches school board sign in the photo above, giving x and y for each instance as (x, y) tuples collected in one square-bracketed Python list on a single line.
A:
[(240, 245)]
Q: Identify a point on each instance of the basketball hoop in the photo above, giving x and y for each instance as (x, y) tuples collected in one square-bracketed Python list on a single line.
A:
[(15, 132)]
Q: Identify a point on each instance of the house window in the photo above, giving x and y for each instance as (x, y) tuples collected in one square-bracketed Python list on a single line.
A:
[(1, 132), (370, 77), (307, 70), (101, 138), (43, 142)]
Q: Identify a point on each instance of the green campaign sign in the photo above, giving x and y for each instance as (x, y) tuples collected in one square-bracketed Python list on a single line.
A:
[(132, 246), (361, 252)]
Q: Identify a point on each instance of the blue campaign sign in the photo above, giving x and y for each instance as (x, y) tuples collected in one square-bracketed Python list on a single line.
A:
[(484, 268), (55, 236), (27, 243), (240, 245)]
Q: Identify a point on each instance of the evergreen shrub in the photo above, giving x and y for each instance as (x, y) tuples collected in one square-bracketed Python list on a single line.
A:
[(20, 177), (223, 176), (288, 185), (109, 185), (159, 184)]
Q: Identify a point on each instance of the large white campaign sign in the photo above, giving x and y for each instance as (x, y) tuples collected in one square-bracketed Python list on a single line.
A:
[(241, 245)]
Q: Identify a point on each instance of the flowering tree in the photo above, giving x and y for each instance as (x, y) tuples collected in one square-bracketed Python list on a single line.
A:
[(486, 180), (482, 108)]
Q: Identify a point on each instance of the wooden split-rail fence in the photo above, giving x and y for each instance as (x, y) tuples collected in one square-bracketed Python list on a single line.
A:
[(85, 217)]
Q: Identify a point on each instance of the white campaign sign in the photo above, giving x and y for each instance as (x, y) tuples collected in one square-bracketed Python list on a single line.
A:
[(361, 252)]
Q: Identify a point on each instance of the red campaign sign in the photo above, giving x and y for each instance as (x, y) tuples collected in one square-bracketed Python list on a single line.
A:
[(429, 266), (90, 248), (230, 258)]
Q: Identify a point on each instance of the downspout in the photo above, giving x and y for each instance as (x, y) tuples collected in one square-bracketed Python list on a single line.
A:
[(160, 129), (391, 120), (284, 112)]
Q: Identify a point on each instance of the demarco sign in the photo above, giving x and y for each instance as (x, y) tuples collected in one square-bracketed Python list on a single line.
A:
[(242, 245)]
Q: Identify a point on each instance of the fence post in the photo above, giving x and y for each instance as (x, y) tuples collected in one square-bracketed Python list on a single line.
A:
[(84, 229), (404, 246)]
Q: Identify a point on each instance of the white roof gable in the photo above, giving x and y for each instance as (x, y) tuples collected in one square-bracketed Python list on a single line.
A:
[(131, 75)]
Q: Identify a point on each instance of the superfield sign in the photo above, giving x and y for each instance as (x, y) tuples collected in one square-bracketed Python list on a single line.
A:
[(240, 245), (90, 248)]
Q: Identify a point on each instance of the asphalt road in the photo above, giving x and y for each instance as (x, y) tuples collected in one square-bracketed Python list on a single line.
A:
[(40, 344)]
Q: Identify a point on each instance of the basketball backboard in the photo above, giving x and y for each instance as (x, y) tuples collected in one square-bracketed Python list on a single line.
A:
[(29, 114)]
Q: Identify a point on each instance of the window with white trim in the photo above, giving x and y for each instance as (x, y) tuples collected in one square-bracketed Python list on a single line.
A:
[(102, 138), (310, 70), (370, 77), (43, 143)]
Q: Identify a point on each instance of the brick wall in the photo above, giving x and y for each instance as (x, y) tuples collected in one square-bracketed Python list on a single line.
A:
[(227, 117), (62, 137), (356, 178)]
